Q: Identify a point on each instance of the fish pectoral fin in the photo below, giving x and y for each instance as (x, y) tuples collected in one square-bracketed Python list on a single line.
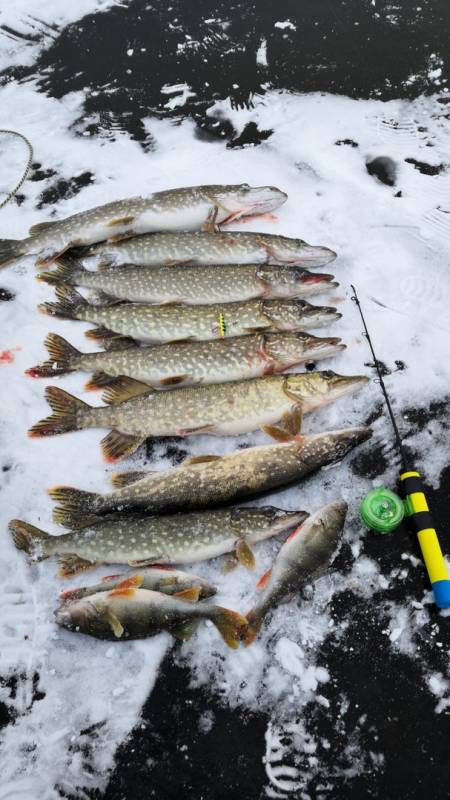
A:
[(120, 221), (200, 429), (121, 479), (103, 299), (145, 562), (40, 227), (117, 445), (292, 420), (184, 632), (230, 563), (264, 579), (123, 388), (277, 433), (115, 623), (190, 595), (180, 341), (177, 262), (173, 380), (200, 460), (41, 263), (210, 225), (245, 554), (119, 237), (71, 564)]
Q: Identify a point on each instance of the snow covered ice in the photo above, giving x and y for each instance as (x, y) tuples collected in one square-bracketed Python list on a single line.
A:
[(392, 243)]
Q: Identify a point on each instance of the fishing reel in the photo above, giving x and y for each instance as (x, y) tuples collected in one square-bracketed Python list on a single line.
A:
[(382, 510)]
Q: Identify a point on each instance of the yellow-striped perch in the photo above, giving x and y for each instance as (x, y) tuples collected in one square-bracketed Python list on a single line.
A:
[(421, 522)]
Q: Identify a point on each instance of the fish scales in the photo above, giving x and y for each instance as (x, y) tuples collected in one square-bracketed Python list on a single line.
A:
[(170, 539), (182, 209), (167, 323), (185, 363), (218, 409), (208, 248), (194, 285), (210, 480)]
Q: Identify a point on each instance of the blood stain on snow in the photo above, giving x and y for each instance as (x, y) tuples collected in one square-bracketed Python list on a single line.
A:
[(7, 356)]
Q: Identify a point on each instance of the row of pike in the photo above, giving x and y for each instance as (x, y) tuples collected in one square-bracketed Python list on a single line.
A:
[(225, 313)]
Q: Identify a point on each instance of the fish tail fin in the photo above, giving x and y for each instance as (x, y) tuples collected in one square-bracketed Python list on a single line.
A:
[(68, 414), (70, 304), (230, 624), (29, 539), (10, 249), (75, 507), (254, 622), (68, 270), (63, 357)]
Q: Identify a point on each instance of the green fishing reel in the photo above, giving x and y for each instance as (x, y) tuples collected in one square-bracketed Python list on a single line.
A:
[(382, 510)]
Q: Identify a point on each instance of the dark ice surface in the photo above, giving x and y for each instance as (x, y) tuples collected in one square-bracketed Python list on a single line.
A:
[(189, 743)]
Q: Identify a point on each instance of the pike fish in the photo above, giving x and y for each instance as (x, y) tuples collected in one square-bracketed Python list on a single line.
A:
[(182, 209), (171, 539), (208, 480), (157, 579), (170, 323), (185, 363), (230, 247), (133, 613), (303, 558), (219, 409), (194, 284)]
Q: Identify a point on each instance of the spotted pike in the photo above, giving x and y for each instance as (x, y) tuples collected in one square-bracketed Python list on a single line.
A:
[(133, 613), (211, 480), (170, 539), (187, 363), (158, 579), (226, 409), (303, 558), (182, 209), (170, 323), (195, 284), (203, 247)]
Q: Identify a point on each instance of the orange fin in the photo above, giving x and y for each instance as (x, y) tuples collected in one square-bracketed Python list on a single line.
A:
[(294, 533), (264, 579), (110, 577), (189, 595), (127, 591), (244, 554), (133, 582)]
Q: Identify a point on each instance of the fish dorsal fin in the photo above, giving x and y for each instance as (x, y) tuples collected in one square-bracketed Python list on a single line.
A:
[(190, 595), (110, 340), (40, 227), (123, 388), (121, 479), (264, 579), (244, 554), (117, 445), (200, 460)]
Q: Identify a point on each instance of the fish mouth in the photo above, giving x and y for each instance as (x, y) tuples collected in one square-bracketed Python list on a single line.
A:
[(288, 519), (76, 615), (266, 198), (316, 256), (331, 343), (320, 277), (344, 385)]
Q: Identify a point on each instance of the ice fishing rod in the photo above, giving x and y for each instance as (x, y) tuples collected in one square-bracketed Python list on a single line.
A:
[(383, 510), (16, 188)]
